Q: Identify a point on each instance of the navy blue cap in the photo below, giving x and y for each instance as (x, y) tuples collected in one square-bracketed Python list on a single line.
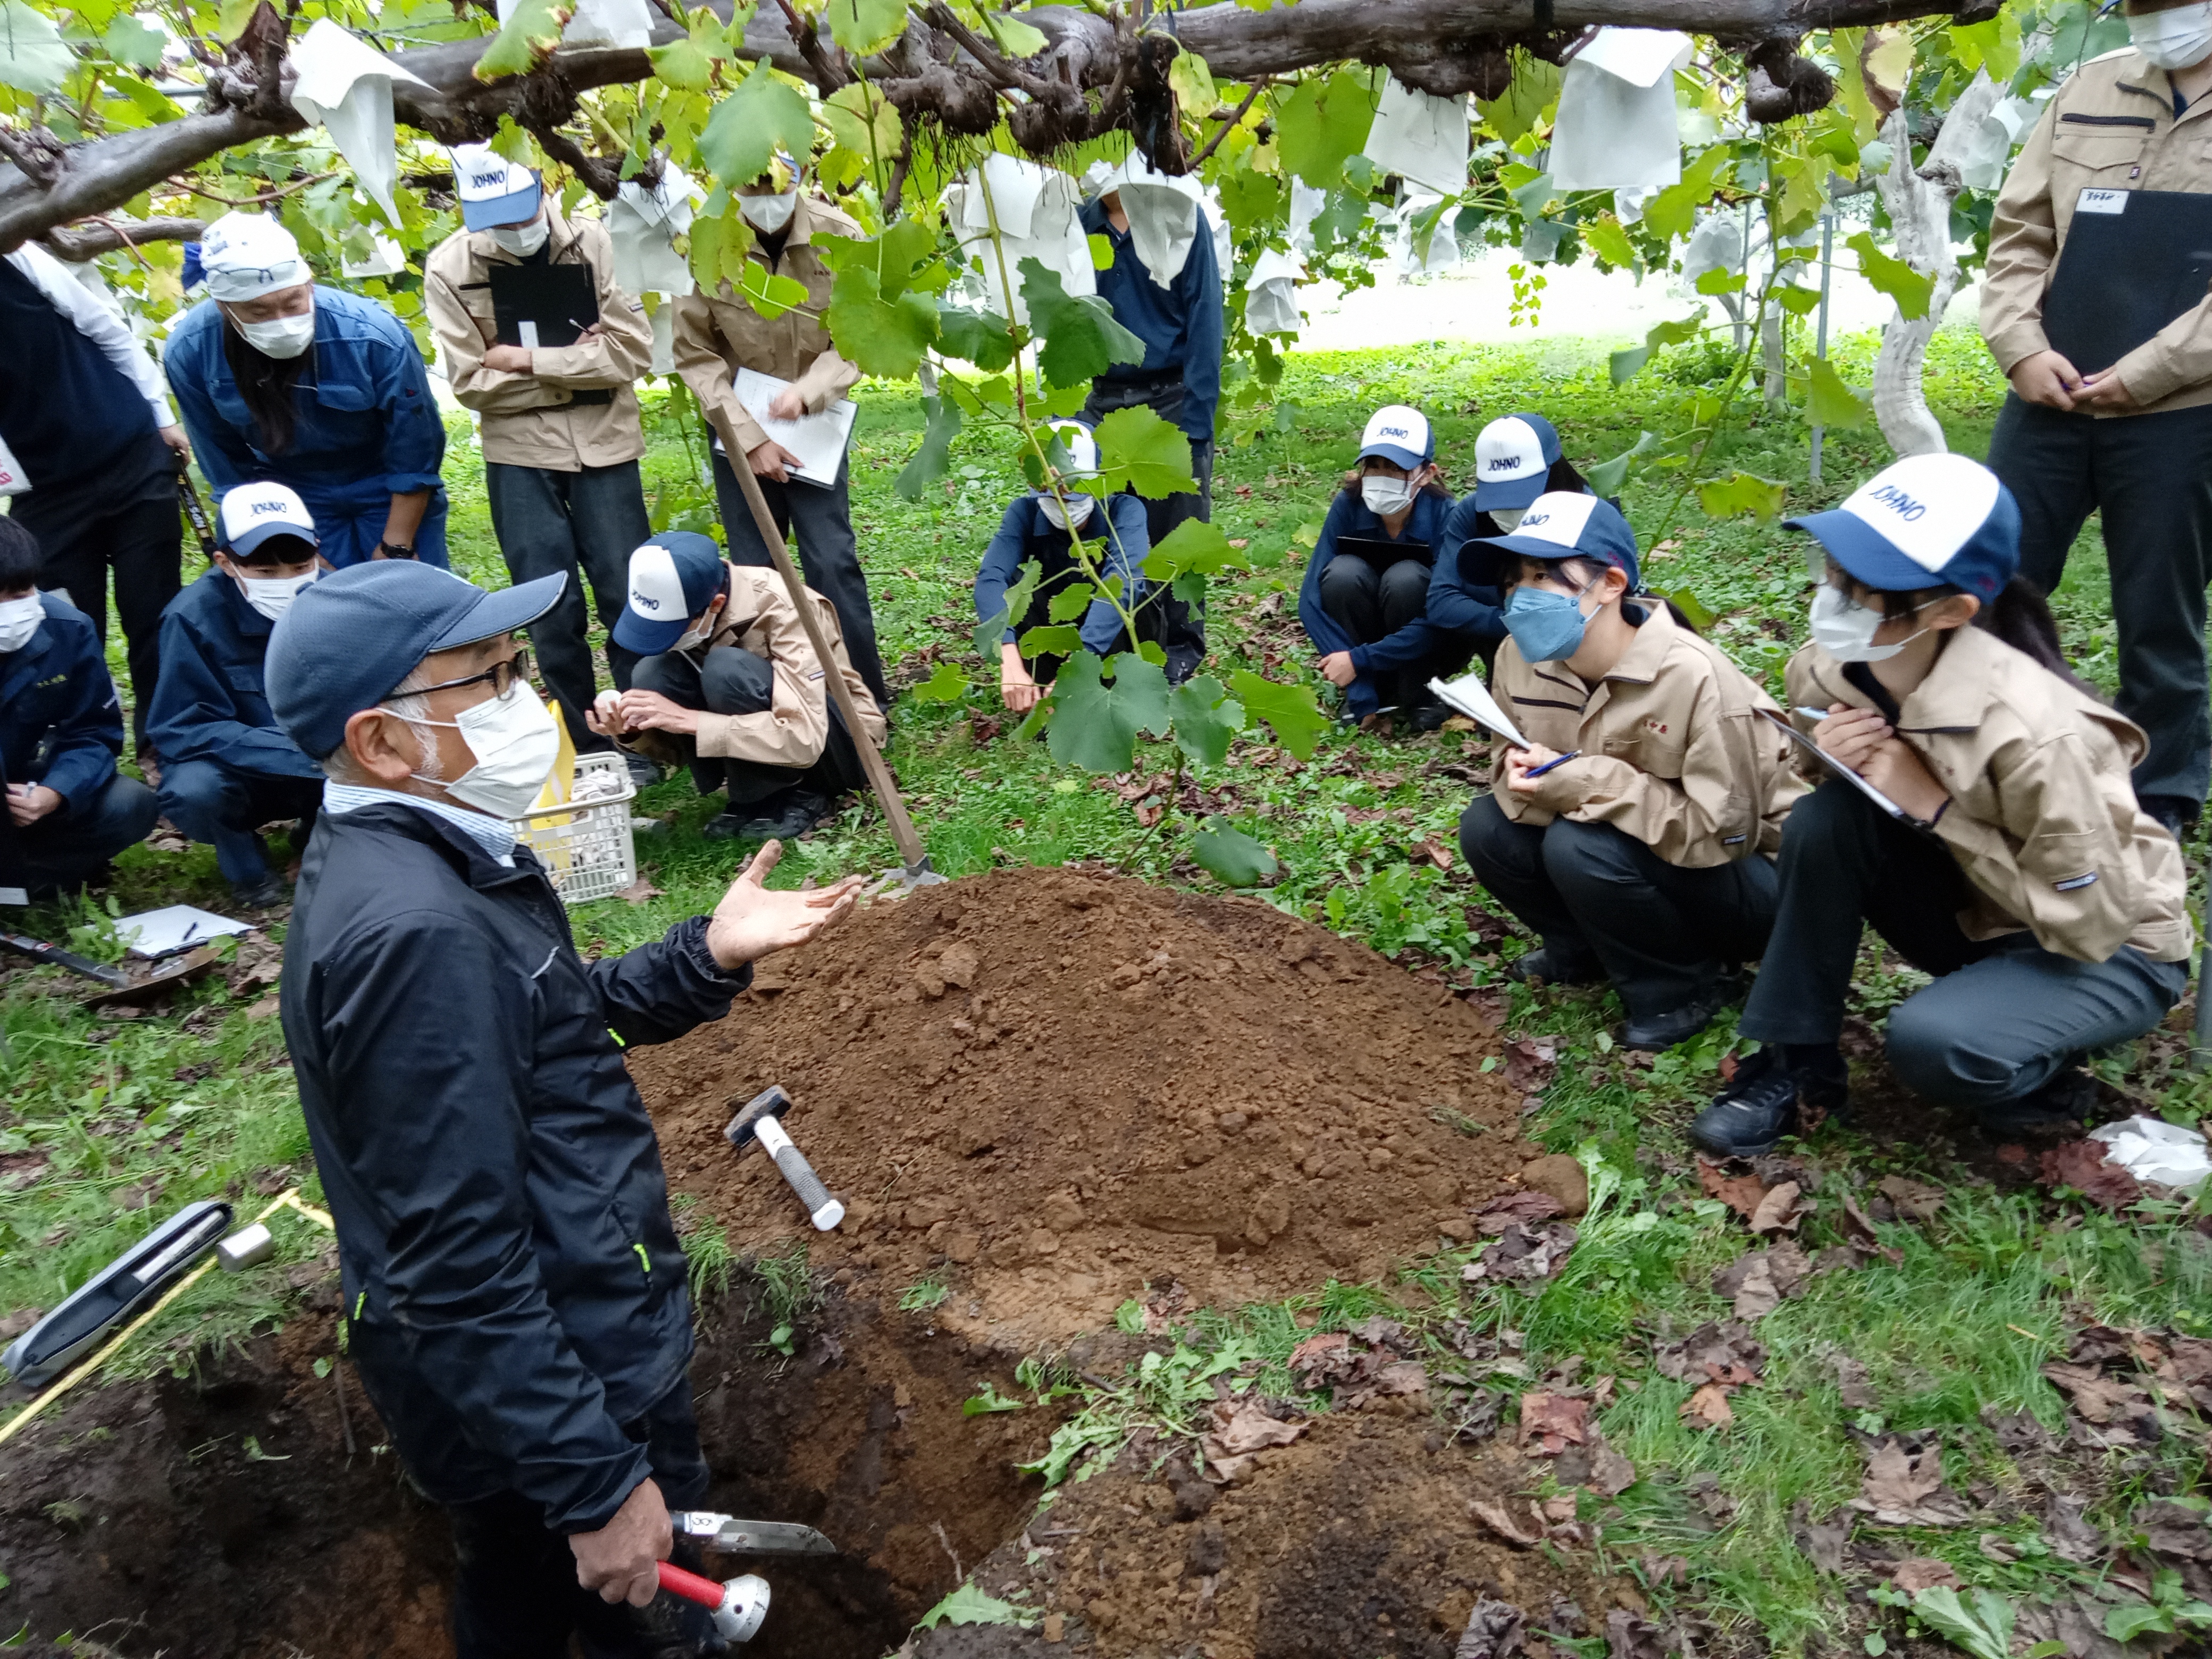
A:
[(349, 639), (1924, 521), (1561, 524), (673, 578), (1513, 458)]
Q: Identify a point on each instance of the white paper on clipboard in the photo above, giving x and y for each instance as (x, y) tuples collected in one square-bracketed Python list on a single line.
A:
[(818, 440), (1472, 698), (1839, 768)]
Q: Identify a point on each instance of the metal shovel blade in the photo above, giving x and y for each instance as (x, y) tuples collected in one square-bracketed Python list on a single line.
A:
[(900, 880), (741, 1537)]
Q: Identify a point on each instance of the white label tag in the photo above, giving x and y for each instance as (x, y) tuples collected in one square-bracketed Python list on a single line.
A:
[(13, 896), (528, 329), (2101, 201)]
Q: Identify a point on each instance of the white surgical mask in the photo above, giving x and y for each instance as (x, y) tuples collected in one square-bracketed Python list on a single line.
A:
[(272, 596), (768, 213), (1385, 495), (515, 743), (1509, 518), (2175, 39), (1845, 628), (19, 620), (1076, 515), (522, 240), (698, 633), (280, 336)]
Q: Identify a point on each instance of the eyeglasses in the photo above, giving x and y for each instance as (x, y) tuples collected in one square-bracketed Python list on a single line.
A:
[(503, 676)]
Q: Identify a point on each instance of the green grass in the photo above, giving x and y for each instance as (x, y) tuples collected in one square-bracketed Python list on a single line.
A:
[(197, 1095)]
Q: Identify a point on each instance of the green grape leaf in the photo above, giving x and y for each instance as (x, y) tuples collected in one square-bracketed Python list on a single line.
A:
[(1050, 642), (747, 128), (770, 294), (1102, 251), (1095, 721), (719, 243), (1193, 545), (863, 120), (947, 684), (524, 42), (1192, 82), (989, 631), (1738, 493), (1015, 37), (1718, 280), (1804, 193), (1206, 718), (1535, 88), (1081, 339), (1322, 125), (1291, 710), (1137, 448), (975, 336), (1251, 198), (1606, 237), (689, 64), (862, 26), (1231, 854), (32, 57), (1797, 301), (512, 142), (1606, 477), (1625, 363), (885, 338), (1911, 288), (1671, 212), (934, 458), (129, 41), (1830, 400), (1071, 602)]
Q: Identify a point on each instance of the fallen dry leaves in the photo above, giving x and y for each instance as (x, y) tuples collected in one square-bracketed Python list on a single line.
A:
[(1707, 1408), (638, 892), (1779, 1211), (1241, 1430), (1741, 1192), (1517, 1530), (2083, 1165), (1551, 1422), (1530, 1063), (1906, 1489), (1916, 1200), (1916, 1573)]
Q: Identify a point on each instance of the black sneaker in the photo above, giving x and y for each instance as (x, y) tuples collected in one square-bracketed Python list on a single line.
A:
[(2061, 1106), (1552, 966), (1431, 717), (1655, 1032), (1754, 1113), (643, 774), (263, 895), (780, 817)]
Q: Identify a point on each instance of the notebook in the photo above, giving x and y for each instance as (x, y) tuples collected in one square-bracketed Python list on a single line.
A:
[(818, 440), (2134, 261), (1841, 770), (544, 305), (1472, 698)]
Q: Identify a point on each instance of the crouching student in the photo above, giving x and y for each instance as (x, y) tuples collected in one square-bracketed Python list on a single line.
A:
[(1037, 529), (1516, 458), (227, 767), (2025, 878), (61, 728), (1636, 836), (1364, 601), (728, 684)]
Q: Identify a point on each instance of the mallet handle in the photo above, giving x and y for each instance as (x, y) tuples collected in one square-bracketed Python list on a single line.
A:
[(690, 1585), (825, 1211)]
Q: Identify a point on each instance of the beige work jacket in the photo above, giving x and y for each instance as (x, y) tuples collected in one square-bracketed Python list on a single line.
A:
[(532, 419), (2043, 818), (719, 333), (792, 729), (2109, 126), (1672, 751)]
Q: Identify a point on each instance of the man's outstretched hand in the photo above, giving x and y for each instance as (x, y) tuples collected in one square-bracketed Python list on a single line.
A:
[(751, 922), (620, 1560)]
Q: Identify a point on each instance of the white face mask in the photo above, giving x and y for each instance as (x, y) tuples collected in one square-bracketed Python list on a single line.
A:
[(768, 213), (280, 336), (1385, 495), (1073, 517), (19, 620), (699, 633), (272, 596), (522, 240), (1509, 518), (515, 743), (2177, 38), (1845, 630)]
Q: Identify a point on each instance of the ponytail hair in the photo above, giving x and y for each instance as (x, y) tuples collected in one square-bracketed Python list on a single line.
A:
[(2020, 616)]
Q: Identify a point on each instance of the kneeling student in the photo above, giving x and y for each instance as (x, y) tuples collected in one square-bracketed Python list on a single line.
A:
[(2049, 907), (228, 768), (729, 686), (1038, 530), (1637, 835)]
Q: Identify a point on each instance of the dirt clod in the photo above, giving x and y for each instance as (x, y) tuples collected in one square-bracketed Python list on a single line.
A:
[(1563, 1178)]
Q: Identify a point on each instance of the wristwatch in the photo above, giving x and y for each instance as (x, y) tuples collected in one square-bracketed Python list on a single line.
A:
[(394, 550)]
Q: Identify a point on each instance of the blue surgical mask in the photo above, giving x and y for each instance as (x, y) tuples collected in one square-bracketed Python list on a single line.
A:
[(1547, 627)]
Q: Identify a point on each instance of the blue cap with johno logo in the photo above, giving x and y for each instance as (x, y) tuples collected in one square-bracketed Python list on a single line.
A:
[(1925, 521), (493, 189), (1563, 524), (672, 578), (1400, 435), (1513, 460)]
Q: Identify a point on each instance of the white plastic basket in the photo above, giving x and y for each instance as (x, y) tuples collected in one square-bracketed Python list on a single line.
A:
[(587, 847)]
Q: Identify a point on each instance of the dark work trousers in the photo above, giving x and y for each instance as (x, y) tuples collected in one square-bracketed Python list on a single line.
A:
[(829, 556), (516, 1596), (587, 523), (65, 850), (732, 681), (87, 530), (1662, 933), (2149, 476), (1372, 605), (1176, 626), (2004, 1014), (212, 804)]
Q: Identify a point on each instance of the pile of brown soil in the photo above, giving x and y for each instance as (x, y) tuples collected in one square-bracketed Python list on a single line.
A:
[(1057, 1086)]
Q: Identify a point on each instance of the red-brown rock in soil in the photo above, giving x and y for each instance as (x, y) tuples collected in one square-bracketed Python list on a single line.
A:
[(1055, 1086)]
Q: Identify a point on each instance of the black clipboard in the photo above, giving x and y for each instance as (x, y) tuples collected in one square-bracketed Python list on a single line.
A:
[(545, 305), (2134, 261), (1838, 769), (1381, 552)]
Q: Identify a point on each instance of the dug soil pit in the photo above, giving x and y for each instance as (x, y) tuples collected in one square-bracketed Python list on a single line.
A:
[(1046, 1088)]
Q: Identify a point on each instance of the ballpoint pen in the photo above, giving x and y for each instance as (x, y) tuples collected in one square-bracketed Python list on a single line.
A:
[(1539, 771)]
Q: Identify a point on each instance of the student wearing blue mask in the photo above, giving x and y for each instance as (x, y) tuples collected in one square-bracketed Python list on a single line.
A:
[(1364, 601), (1516, 458), (2023, 876), (1635, 835)]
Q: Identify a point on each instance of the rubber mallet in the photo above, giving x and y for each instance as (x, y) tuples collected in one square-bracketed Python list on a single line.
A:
[(762, 1119), (739, 1604)]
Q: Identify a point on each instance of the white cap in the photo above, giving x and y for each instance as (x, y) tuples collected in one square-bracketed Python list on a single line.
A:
[(1400, 434), (1082, 450), (246, 255), (493, 190), (251, 512), (1513, 458)]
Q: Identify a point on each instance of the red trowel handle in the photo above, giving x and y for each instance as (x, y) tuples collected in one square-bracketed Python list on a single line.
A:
[(707, 1592)]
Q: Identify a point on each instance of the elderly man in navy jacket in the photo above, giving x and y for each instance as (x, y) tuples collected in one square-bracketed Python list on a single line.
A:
[(229, 768), (514, 1294), (61, 728)]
